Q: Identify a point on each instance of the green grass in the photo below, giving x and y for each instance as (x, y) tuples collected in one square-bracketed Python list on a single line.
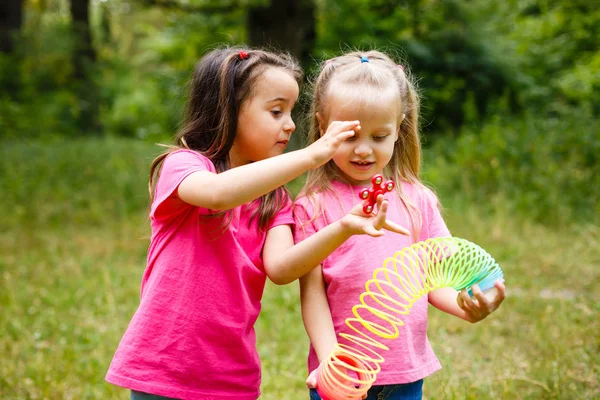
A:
[(73, 241)]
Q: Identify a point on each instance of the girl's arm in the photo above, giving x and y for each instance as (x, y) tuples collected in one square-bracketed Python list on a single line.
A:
[(316, 314), (245, 183), (318, 323), (461, 305), (285, 262)]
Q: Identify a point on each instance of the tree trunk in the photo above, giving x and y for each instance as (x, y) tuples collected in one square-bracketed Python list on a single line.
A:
[(11, 19), (83, 53), (83, 60), (105, 26), (285, 24)]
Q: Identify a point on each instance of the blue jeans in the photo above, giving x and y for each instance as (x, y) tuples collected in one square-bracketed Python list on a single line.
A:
[(147, 396), (406, 391)]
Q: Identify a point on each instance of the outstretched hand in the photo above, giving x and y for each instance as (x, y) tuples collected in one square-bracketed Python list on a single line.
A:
[(359, 223), (481, 305)]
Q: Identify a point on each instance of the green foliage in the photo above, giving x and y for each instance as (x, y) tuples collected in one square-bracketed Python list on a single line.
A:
[(52, 183), (554, 46), (40, 97), (145, 93), (136, 85), (545, 168), (437, 40)]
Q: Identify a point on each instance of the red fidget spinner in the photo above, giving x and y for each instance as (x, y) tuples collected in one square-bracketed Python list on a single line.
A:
[(379, 187)]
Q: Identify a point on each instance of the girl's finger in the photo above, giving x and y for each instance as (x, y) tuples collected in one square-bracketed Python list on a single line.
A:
[(374, 232), (499, 284), (342, 126), (460, 301), (345, 135), (478, 294), (382, 206), (394, 227), (465, 300)]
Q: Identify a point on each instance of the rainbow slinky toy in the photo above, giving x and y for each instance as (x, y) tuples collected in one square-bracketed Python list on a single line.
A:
[(412, 272)]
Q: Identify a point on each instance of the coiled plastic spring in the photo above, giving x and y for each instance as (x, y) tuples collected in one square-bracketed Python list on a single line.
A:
[(412, 272)]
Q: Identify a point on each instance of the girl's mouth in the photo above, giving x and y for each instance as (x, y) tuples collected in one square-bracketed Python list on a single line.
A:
[(362, 165)]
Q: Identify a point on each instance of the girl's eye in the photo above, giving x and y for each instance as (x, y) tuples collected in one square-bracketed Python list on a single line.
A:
[(276, 113), (380, 138)]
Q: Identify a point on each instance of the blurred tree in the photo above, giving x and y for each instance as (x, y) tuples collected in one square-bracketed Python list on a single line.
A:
[(187, 6), (287, 25), (11, 19), (83, 57), (83, 52), (554, 47), (458, 74), (284, 24), (104, 29)]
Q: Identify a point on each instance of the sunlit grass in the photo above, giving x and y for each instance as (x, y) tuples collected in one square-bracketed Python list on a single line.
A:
[(73, 241)]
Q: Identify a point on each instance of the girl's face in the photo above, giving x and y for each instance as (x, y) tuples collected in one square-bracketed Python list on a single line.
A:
[(265, 123), (371, 148)]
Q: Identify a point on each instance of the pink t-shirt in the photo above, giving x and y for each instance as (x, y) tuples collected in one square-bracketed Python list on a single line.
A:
[(192, 336), (349, 267)]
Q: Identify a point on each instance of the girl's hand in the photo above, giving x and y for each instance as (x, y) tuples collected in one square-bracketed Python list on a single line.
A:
[(481, 306), (356, 222), (311, 381), (338, 131)]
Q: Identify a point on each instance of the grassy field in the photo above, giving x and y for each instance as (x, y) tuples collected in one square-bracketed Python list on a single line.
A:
[(73, 241)]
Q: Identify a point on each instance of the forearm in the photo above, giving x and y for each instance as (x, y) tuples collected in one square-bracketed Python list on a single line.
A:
[(444, 299), (317, 318), (301, 258), (245, 183), (266, 175)]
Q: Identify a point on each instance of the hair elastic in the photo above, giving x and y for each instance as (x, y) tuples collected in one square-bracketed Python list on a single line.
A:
[(364, 59), (243, 55), (400, 66)]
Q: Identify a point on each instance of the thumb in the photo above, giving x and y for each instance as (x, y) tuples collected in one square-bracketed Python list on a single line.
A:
[(311, 381), (373, 232)]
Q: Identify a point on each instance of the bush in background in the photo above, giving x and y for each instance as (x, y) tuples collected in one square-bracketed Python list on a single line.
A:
[(544, 168)]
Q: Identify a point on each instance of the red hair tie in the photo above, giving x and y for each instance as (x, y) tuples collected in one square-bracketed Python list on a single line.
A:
[(243, 55), (400, 66)]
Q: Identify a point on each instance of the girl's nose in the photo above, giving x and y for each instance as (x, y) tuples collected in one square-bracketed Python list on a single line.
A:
[(362, 149), (289, 126)]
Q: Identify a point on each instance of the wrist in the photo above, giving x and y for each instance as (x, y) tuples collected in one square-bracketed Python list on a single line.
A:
[(345, 229), (315, 159)]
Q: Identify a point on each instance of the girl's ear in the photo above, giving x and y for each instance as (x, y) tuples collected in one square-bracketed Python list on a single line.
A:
[(322, 126), (398, 130)]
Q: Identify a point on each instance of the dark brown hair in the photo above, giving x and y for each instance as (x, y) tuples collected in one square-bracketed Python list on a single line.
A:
[(222, 80)]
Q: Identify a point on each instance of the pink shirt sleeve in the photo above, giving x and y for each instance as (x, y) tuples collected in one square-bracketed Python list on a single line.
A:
[(175, 168), (284, 216)]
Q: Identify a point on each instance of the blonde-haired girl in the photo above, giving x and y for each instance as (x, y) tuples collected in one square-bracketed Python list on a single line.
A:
[(372, 88)]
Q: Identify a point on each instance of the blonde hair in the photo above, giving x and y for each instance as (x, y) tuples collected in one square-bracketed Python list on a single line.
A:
[(377, 70)]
